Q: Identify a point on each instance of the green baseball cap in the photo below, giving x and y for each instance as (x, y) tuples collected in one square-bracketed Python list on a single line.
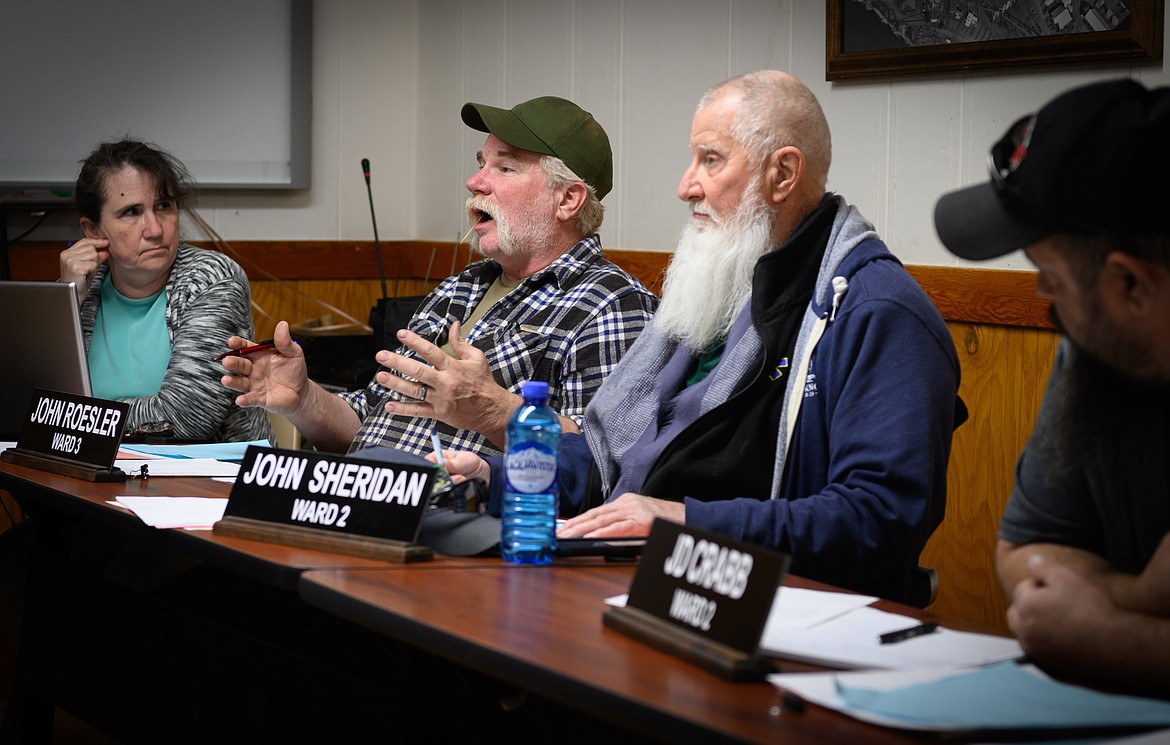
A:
[(552, 126)]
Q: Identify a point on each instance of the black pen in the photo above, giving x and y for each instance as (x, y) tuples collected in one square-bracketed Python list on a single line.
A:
[(266, 344), (894, 637)]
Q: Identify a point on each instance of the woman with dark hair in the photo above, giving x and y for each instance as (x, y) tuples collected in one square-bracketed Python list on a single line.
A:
[(156, 311)]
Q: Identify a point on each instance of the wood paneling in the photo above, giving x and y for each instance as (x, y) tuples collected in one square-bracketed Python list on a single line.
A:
[(1002, 298), (1004, 373), (1000, 328), (969, 295), (343, 300)]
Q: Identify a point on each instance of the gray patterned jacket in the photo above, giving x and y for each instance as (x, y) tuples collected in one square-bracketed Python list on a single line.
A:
[(208, 300)]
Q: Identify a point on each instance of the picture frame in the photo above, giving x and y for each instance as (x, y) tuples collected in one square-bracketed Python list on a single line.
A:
[(1138, 39)]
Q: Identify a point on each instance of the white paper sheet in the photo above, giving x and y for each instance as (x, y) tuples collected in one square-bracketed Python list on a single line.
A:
[(796, 608), (850, 640), (837, 629), (175, 512)]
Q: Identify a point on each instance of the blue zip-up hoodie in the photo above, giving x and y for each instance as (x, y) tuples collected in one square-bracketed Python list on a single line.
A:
[(861, 484)]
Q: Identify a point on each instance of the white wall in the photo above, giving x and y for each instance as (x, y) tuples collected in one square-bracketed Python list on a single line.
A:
[(366, 79), (391, 75)]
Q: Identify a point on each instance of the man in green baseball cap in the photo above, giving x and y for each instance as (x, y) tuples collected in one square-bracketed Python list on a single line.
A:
[(551, 126), (546, 137), (543, 304)]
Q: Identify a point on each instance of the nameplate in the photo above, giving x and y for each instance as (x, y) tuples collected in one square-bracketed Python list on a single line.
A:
[(70, 434), (359, 506), (703, 596)]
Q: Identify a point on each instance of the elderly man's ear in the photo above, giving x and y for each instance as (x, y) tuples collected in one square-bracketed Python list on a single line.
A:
[(572, 201), (783, 172)]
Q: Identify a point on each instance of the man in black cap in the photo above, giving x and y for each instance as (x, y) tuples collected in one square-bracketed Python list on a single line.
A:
[(1084, 549), (543, 304)]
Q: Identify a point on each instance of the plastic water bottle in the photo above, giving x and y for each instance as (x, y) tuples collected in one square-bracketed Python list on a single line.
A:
[(533, 443)]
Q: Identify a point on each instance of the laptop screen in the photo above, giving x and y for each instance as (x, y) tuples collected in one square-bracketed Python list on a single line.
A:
[(40, 335)]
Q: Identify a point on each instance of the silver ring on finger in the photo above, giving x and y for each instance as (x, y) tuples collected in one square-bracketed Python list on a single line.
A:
[(422, 393)]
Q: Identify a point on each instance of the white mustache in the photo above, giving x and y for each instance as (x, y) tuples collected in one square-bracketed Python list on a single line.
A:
[(478, 204), (706, 209)]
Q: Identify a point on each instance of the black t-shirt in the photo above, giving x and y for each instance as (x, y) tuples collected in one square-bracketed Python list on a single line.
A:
[(1116, 501)]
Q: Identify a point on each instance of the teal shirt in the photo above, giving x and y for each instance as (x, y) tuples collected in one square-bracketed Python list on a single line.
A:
[(130, 348)]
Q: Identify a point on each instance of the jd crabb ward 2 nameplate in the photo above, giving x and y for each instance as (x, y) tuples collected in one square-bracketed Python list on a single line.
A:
[(702, 596), (73, 435), (350, 505)]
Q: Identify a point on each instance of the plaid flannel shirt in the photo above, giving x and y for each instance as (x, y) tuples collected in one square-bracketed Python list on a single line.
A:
[(568, 324)]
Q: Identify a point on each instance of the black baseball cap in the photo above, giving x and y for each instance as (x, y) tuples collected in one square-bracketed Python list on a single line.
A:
[(1094, 160), (460, 533), (551, 126)]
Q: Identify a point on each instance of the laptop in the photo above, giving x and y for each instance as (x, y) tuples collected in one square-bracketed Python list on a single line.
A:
[(42, 347)]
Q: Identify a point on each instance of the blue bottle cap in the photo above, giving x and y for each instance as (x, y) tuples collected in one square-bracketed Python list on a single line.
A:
[(534, 389)]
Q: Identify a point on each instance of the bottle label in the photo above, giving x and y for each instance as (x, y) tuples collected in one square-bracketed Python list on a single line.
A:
[(531, 470)]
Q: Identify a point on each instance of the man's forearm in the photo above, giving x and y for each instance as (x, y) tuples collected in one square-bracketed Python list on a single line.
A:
[(1144, 659), (1126, 590), (1011, 561), (325, 420), (568, 426), (1128, 651), (498, 435)]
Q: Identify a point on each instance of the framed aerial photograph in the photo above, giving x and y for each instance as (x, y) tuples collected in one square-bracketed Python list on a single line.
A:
[(883, 38)]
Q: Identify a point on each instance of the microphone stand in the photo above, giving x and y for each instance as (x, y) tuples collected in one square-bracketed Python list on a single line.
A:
[(390, 313), (374, 220)]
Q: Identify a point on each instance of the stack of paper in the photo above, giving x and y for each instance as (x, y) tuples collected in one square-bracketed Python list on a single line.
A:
[(177, 467), (215, 450), (838, 630), (217, 459)]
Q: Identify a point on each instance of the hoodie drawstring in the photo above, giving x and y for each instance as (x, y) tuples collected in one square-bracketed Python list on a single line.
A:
[(840, 287), (797, 382)]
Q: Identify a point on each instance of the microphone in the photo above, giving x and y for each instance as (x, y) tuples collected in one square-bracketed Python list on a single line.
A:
[(374, 220), (390, 313)]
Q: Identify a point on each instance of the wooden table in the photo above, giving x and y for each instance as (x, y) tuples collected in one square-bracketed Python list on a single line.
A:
[(100, 640), (541, 628), (62, 499), (136, 665)]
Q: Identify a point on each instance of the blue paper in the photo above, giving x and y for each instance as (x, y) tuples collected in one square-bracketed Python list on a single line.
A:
[(1005, 696), (215, 450)]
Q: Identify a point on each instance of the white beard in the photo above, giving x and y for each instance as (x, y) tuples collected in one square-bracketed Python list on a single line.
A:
[(710, 275)]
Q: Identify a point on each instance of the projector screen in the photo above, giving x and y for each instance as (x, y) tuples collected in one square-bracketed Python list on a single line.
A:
[(223, 85)]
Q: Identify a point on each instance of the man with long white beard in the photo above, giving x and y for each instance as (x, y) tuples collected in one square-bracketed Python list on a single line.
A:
[(796, 388), (543, 304)]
